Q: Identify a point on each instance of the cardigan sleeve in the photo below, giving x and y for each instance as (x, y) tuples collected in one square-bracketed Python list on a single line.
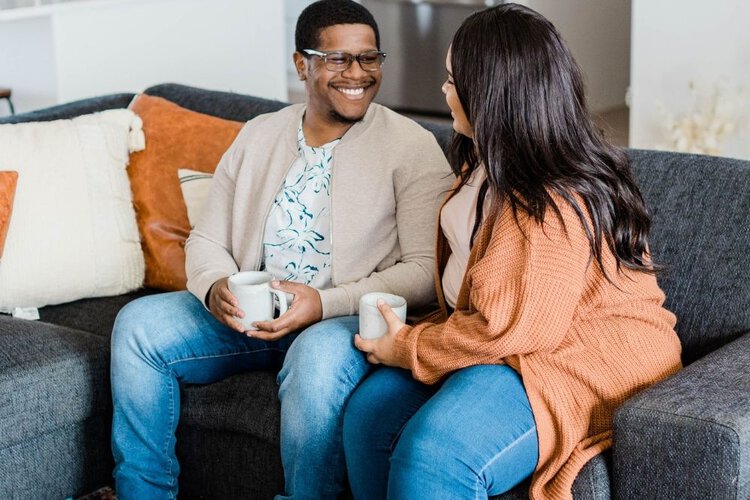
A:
[(524, 293)]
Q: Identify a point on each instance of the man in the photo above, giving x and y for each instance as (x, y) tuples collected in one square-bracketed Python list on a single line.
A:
[(337, 197)]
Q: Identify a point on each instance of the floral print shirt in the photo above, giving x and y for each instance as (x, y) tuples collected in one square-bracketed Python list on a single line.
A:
[(297, 237)]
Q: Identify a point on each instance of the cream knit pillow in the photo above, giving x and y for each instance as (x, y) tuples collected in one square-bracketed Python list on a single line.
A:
[(73, 232)]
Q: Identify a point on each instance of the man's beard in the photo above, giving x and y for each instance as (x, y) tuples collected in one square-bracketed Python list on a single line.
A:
[(338, 117)]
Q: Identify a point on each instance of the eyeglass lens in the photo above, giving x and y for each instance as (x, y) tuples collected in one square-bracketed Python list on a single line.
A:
[(340, 61)]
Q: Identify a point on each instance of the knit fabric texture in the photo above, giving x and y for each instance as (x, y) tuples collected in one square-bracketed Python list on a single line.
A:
[(533, 299)]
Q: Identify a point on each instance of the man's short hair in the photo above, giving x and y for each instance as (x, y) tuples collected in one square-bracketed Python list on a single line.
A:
[(324, 13)]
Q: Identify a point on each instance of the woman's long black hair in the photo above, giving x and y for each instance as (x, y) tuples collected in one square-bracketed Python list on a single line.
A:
[(523, 95)]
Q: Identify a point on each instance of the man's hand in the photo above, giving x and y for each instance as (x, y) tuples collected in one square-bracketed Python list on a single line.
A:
[(380, 350), (305, 310), (223, 305)]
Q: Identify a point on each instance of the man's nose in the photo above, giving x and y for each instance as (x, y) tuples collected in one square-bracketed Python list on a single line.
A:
[(354, 71)]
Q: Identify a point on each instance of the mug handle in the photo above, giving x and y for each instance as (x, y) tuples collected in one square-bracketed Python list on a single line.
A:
[(281, 297)]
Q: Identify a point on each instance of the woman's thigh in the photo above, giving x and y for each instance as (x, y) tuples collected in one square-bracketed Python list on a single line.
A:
[(474, 437)]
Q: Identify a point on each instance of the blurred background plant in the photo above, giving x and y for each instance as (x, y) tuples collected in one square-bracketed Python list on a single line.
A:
[(710, 120)]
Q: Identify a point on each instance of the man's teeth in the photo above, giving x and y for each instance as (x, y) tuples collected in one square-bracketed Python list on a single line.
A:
[(352, 91)]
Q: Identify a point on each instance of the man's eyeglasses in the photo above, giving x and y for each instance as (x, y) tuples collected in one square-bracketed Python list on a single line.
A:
[(371, 60)]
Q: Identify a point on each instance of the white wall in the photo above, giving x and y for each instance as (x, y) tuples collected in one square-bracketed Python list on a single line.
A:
[(674, 43), (101, 47), (27, 63), (598, 34)]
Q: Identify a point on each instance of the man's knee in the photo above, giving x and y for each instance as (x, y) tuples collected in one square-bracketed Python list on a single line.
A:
[(142, 326), (322, 362)]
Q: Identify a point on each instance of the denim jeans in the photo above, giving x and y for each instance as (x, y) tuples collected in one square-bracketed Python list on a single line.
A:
[(470, 437), (164, 340)]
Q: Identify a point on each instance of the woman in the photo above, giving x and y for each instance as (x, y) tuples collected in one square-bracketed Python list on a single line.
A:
[(550, 311)]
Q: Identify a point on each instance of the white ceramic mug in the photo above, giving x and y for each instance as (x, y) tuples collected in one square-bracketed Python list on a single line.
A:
[(255, 297), (371, 323)]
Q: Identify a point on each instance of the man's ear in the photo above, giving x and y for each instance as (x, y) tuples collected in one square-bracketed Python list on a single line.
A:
[(300, 64)]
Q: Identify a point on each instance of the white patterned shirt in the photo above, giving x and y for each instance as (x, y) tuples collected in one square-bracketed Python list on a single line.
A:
[(297, 237)]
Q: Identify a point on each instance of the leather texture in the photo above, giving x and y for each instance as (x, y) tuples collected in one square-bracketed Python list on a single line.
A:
[(8, 181), (175, 138)]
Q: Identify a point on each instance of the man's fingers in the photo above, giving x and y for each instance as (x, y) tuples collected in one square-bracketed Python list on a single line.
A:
[(231, 310), (268, 336), (286, 286), (227, 296), (233, 323), (373, 359)]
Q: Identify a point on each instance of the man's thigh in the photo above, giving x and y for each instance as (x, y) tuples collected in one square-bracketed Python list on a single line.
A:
[(174, 331)]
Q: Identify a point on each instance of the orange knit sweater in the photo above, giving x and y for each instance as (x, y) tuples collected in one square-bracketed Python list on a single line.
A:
[(581, 344)]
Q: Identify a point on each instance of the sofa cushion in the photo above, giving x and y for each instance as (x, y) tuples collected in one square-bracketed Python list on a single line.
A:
[(195, 186), (50, 377), (700, 206), (175, 138), (73, 232), (8, 181), (95, 316)]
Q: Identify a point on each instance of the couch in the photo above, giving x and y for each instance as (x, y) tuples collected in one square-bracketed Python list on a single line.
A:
[(685, 438)]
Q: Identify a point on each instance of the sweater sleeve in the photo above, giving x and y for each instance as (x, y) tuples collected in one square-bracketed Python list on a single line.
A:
[(208, 256), (524, 292)]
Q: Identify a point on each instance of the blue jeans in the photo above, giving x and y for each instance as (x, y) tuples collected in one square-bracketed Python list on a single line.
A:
[(164, 340), (470, 437)]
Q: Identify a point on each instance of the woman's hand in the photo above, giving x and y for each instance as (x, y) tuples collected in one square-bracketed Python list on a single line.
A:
[(381, 350), (305, 310)]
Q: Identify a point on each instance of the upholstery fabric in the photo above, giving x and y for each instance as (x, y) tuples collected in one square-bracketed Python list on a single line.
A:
[(73, 196), (226, 105), (68, 461), (689, 437), (176, 138), (95, 316), (50, 376), (8, 180), (215, 419), (72, 109), (699, 205)]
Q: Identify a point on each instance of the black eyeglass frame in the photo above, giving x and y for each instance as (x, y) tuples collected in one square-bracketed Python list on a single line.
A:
[(350, 58)]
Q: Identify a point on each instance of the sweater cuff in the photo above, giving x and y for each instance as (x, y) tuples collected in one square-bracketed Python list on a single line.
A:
[(335, 302), (405, 347), (201, 286)]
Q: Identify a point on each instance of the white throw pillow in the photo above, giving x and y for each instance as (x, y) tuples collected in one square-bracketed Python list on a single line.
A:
[(195, 187), (73, 232)]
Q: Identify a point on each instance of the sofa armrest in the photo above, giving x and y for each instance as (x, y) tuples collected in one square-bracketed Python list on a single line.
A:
[(688, 437)]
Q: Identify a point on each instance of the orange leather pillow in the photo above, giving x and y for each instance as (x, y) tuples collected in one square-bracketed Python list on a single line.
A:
[(175, 138), (8, 182)]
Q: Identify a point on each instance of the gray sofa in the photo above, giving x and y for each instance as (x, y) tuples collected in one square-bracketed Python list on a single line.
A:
[(687, 437)]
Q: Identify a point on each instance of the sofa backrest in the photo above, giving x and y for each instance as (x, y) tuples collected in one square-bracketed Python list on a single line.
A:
[(72, 109), (700, 206)]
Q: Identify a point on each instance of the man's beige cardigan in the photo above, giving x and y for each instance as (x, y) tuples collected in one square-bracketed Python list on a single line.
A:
[(388, 177)]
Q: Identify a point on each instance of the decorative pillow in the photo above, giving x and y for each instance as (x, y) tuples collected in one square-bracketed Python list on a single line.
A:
[(7, 192), (177, 138), (195, 189), (73, 233)]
